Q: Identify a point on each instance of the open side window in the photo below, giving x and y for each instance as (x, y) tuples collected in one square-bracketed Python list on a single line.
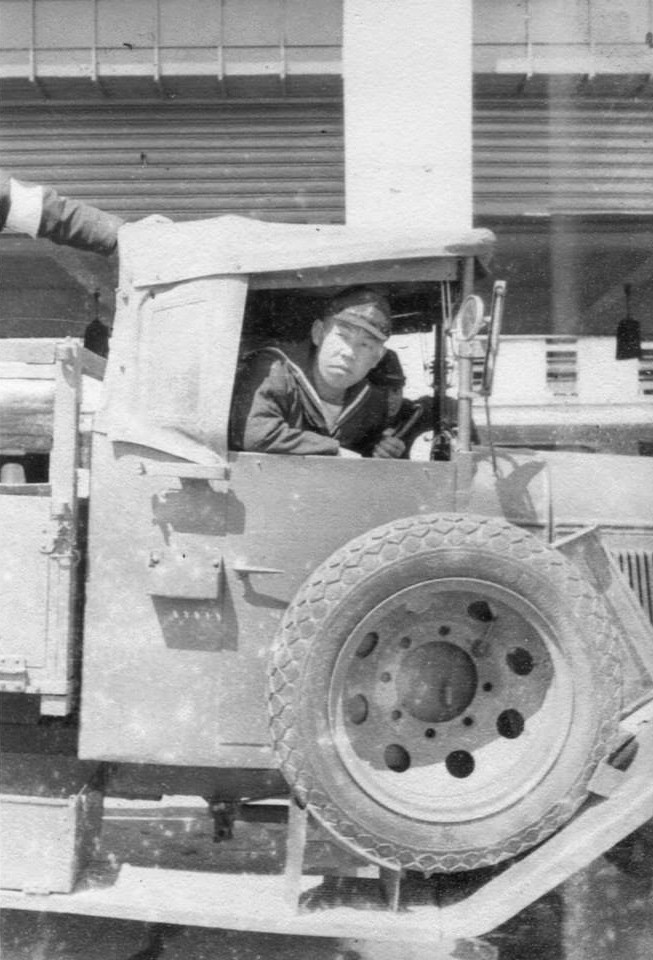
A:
[(282, 317)]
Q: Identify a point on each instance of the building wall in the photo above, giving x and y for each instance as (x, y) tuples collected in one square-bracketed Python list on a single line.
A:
[(223, 38), (280, 160)]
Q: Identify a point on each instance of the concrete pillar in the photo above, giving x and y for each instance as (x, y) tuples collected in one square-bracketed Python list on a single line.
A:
[(408, 113)]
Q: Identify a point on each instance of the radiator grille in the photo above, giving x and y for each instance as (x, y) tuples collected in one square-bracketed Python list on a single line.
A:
[(637, 565)]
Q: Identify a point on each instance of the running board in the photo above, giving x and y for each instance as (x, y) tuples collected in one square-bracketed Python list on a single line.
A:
[(366, 908)]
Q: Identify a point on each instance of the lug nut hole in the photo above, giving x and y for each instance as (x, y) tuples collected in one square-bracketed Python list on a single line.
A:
[(396, 715), (487, 687), (429, 733), (460, 764), (520, 661), (357, 709), (396, 758), (480, 610), (367, 645), (405, 642), (510, 724), (386, 677)]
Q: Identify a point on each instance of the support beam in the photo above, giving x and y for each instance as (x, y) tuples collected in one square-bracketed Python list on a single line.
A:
[(407, 68)]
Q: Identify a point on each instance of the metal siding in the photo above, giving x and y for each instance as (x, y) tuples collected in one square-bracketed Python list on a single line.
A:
[(278, 161), (285, 161), (568, 159)]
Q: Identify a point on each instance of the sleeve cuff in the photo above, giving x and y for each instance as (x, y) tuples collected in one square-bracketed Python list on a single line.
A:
[(25, 208)]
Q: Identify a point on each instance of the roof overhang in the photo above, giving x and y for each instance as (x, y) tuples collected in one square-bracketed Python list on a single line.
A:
[(285, 254)]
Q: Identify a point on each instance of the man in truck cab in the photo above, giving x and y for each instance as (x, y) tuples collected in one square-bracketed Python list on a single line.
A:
[(315, 398)]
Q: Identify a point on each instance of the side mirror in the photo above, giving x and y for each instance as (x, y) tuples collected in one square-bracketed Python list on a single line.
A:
[(469, 320)]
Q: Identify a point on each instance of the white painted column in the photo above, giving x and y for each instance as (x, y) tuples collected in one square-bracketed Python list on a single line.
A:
[(408, 113)]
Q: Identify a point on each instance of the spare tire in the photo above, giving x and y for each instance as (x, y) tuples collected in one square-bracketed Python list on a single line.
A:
[(442, 690)]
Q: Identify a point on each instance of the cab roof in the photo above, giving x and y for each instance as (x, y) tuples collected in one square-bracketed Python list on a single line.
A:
[(285, 254)]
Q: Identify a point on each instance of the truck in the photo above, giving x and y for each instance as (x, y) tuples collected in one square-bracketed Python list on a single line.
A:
[(433, 678)]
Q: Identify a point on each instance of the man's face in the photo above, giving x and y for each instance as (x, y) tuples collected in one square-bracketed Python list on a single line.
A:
[(345, 352)]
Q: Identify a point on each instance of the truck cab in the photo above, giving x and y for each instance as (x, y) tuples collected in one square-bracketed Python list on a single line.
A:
[(439, 661)]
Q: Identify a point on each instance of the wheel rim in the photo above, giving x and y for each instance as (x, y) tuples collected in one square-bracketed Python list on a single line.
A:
[(450, 701)]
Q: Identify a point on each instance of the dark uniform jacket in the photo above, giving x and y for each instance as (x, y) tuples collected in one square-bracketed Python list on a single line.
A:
[(277, 410)]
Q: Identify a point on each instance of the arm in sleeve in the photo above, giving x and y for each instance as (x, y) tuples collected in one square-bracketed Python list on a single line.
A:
[(264, 413), (41, 212)]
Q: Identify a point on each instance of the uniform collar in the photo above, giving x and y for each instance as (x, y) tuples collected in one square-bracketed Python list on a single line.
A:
[(299, 361)]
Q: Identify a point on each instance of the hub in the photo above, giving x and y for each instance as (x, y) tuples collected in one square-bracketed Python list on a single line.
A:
[(436, 682)]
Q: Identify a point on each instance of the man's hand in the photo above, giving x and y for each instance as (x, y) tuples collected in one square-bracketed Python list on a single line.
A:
[(389, 447)]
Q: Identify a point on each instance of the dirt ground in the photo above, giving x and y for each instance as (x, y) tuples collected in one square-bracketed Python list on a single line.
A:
[(602, 914)]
